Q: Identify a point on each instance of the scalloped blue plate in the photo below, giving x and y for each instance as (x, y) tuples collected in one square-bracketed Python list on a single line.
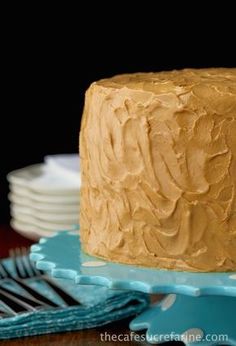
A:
[(62, 255)]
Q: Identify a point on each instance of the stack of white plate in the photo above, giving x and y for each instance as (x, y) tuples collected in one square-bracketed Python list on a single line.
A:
[(45, 197)]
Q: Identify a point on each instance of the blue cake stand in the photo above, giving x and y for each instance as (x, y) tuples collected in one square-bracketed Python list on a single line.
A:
[(200, 308)]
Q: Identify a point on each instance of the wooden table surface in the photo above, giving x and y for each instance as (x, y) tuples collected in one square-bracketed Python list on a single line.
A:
[(10, 239)]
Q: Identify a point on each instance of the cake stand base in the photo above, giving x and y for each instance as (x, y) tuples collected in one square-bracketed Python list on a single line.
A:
[(200, 308), (205, 320)]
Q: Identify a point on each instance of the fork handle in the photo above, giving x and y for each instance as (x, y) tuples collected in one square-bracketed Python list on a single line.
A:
[(35, 294), (12, 304), (68, 299), (34, 303)]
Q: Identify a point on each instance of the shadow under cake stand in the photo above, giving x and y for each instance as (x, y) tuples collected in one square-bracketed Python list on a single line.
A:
[(199, 307)]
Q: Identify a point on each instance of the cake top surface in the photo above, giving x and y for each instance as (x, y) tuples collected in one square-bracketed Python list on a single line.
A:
[(179, 81)]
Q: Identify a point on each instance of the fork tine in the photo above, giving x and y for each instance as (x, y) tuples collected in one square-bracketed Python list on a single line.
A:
[(1, 272), (4, 270), (33, 272), (14, 253), (21, 263), (27, 263), (13, 257), (32, 267), (24, 251), (21, 259), (19, 279)]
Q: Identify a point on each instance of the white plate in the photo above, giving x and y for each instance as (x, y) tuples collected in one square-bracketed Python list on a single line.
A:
[(24, 195), (37, 179), (66, 210), (29, 231), (50, 226), (67, 165), (45, 207), (19, 210)]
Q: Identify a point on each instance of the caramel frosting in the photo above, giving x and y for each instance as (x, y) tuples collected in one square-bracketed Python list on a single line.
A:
[(158, 159)]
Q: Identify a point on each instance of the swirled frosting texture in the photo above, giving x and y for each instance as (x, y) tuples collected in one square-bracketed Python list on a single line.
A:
[(158, 158)]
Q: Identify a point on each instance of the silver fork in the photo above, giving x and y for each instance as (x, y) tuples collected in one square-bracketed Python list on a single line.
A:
[(3, 313), (25, 269), (6, 274), (32, 303), (14, 304)]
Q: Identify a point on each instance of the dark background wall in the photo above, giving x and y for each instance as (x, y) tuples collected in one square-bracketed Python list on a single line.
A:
[(48, 71)]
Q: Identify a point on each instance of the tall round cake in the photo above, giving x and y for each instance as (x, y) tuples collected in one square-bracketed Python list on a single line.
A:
[(158, 160)]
